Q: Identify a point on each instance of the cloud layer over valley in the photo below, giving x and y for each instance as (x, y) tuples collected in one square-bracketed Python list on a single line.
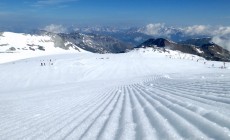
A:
[(219, 34)]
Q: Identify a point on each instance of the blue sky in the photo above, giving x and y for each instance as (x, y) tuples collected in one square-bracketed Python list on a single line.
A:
[(37, 13)]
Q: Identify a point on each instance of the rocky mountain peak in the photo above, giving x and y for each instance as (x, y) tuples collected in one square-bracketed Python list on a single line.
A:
[(200, 47)]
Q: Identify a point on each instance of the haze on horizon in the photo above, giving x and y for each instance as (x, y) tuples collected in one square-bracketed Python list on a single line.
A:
[(32, 14)]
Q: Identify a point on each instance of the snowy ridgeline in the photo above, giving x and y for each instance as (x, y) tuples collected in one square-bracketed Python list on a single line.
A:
[(142, 95), (26, 43)]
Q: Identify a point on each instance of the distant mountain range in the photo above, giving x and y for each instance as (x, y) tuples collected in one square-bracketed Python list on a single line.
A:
[(96, 43), (131, 36), (43, 41), (108, 42), (137, 35)]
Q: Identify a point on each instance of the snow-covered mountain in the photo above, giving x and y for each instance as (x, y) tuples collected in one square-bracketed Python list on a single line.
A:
[(43, 41), (46, 41), (136, 35), (199, 47), (96, 43), (18, 42)]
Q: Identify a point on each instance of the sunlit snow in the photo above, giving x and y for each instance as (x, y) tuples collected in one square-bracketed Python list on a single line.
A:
[(142, 95)]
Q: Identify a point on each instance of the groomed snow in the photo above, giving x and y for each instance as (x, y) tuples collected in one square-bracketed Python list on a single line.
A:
[(141, 95)]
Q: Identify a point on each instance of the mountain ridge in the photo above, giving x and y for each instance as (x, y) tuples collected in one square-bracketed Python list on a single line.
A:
[(96, 43), (209, 51), (43, 40)]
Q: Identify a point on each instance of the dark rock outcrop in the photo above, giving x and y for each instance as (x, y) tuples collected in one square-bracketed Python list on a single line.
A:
[(200, 47)]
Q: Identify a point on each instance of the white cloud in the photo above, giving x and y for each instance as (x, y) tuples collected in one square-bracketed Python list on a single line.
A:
[(220, 34), (160, 29), (222, 41), (55, 28), (154, 29), (196, 30), (222, 30), (207, 30), (157, 29), (222, 37)]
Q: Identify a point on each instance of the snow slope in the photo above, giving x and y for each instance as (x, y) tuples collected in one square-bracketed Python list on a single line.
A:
[(14, 46), (141, 95)]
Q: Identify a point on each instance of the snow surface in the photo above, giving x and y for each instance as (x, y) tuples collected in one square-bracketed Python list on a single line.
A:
[(199, 51), (27, 46), (20, 41), (143, 95)]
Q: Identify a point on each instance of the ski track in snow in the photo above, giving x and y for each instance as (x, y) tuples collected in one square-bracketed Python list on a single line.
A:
[(148, 107)]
